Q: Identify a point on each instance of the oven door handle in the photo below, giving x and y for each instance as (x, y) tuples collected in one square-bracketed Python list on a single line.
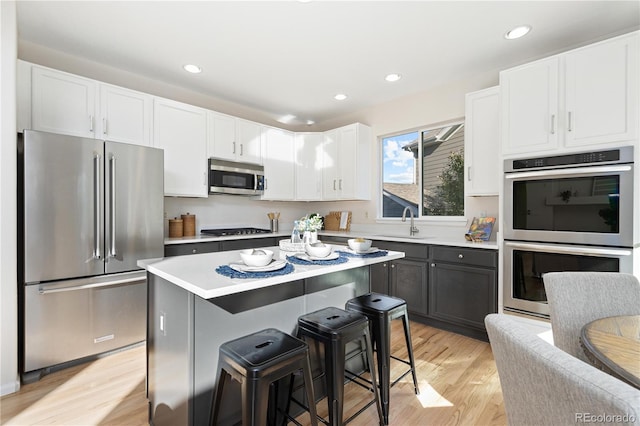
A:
[(569, 249), (576, 171)]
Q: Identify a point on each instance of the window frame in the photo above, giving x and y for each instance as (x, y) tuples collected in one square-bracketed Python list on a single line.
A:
[(441, 220)]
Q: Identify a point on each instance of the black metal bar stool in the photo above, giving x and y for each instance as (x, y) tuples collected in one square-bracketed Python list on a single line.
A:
[(335, 328), (381, 310), (256, 361)]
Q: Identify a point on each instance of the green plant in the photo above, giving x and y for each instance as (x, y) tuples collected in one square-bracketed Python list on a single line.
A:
[(447, 199)]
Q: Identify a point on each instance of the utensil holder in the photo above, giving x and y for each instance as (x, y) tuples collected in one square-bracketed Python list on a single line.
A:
[(273, 225)]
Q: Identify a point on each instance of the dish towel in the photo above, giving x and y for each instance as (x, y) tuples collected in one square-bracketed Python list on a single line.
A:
[(380, 253), (299, 261), (227, 271)]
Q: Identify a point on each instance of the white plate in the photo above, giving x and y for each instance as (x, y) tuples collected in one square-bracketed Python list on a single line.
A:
[(273, 266), (368, 251), (309, 258)]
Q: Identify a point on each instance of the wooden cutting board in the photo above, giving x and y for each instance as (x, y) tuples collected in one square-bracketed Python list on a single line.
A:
[(332, 221)]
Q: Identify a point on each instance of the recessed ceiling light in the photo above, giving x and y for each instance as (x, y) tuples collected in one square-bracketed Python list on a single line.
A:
[(517, 32), (340, 97), (393, 77), (193, 69), (286, 119), (310, 122)]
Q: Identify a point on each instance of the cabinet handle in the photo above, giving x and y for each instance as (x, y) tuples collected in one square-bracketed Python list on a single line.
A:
[(104, 125), (393, 265), (204, 179), (234, 147), (241, 151), (433, 265), (334, 184), (266, 184), (340, 184), (553, 124), (570, 127), (384, 265), (469, 173), (194, 251), (91, 123), (460, 256)]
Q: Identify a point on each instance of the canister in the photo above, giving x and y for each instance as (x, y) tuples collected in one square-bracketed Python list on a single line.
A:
[(189, 224), (176, 228)]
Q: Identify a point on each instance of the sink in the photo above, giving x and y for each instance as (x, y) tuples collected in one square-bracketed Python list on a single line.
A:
[(410, 237)]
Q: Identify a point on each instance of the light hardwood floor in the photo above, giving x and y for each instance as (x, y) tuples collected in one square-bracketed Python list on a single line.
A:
[(457, 377)]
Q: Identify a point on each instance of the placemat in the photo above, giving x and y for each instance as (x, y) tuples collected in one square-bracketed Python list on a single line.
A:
[(227, 271), (299, 261), (380, 253)]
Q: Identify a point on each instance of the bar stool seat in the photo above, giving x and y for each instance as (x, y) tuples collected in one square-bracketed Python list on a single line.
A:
[(335, 328), (256, 361), (381, 309)]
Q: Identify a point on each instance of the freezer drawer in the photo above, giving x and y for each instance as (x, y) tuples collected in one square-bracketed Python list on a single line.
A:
[(70, 320)]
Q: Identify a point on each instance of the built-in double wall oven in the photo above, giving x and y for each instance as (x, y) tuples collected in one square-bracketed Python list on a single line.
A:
[(570, 212)]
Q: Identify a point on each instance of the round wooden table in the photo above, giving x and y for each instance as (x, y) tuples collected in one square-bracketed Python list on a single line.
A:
[(614, 343)]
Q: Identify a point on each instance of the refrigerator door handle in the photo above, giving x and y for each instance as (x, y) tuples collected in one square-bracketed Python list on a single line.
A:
[(43, 290), (97, 254), (112, 207)]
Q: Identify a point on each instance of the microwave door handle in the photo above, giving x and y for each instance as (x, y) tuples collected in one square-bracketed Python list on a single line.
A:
[(569, 250), (582, 171), (255, 182)]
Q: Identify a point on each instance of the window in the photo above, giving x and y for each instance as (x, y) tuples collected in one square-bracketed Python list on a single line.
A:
[(424, 170)]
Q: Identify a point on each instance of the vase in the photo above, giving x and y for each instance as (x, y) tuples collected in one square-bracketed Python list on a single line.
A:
[(310, 237)]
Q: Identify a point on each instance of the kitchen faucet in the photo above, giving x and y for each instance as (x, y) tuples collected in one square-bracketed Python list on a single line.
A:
[(412, 229)]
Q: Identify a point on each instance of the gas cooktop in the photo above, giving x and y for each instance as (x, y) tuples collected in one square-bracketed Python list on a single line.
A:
[(234, 231)]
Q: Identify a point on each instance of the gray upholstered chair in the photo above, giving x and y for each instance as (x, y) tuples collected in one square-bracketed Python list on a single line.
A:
[(577, 298), (543, 385)]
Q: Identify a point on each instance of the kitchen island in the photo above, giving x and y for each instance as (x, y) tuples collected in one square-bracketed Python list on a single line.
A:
[(192, 310)]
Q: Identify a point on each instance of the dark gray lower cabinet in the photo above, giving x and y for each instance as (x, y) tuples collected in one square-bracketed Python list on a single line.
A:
[(408, 282), (463, 285), (214, 246)]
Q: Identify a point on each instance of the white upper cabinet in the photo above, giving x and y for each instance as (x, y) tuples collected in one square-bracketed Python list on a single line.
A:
[(181, 130), (587, 96), (481, 142), (58, 102), (125, 115), (346, 163), (600, 83), (235, 139), (63, 103), (279, 165), (308, 166)]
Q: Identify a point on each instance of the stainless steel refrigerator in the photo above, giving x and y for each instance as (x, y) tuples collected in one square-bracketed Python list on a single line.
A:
[(88, 211)]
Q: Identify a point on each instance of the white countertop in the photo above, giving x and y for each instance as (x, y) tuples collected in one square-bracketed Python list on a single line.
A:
[(457, 242), (197, 272)]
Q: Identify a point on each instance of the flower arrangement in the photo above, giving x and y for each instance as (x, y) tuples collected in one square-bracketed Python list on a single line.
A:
[(312, 222)]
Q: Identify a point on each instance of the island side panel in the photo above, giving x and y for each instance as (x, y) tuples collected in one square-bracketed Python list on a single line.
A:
[(169, 349)]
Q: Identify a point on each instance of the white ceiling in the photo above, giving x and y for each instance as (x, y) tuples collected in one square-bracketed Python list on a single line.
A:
[(290, 57)]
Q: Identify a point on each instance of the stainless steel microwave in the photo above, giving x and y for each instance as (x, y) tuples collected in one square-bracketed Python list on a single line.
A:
[(230, 177)]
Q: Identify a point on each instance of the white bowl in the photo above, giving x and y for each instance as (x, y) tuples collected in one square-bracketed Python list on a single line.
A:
[(318, 249), (359, 246), (256, 257)]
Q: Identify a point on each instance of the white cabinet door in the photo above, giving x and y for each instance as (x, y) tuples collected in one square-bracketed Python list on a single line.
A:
[(279, 165), (125, 115), (181, 130), (308, 163), (222, 139), (346, 163), (529, 98), (249, 142), (330, 166), (481, 142), (63, 103), (599, 83)]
